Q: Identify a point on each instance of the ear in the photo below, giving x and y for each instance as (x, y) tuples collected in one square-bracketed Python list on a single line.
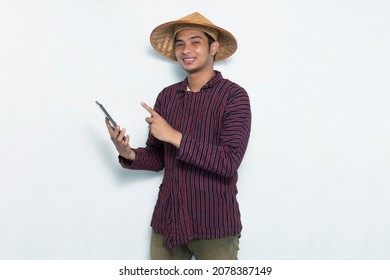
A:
[(214, 48)]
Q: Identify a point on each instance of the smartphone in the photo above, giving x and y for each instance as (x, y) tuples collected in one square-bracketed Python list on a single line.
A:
[(111, 120)]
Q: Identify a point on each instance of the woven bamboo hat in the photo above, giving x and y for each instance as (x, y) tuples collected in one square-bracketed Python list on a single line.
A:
[(162, 37)]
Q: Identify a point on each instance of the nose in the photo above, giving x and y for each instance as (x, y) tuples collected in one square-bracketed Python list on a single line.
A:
[(186, 49)]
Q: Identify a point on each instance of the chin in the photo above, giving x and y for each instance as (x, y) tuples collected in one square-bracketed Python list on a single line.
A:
[(189, 68)]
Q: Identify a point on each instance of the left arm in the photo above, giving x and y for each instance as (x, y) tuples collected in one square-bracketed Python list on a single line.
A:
[(222, 159), (225, 157)]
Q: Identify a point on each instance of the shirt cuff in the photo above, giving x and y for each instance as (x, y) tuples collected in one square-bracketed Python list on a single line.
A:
[(126, 163)]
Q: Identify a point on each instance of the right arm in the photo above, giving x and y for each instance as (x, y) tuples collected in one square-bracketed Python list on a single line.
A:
[(149, 158), (121, 142)]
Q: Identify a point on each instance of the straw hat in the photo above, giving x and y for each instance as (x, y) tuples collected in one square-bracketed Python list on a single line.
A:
[(162, 37)]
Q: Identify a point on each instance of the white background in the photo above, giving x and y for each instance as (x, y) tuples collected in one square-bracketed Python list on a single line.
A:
[(315, 180)]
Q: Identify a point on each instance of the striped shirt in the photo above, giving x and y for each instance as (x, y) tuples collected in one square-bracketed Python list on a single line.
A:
[(197, 197)]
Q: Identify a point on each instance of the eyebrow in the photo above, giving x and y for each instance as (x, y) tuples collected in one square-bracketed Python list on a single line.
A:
[(191, 38)]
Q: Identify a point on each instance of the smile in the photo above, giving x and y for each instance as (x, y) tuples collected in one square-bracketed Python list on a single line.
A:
[(188, 60)]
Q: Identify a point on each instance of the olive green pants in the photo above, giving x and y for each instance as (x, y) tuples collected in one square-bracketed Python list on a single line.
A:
[(201, 249)]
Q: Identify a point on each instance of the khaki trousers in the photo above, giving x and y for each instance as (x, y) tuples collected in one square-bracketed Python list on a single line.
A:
[(201, 249)]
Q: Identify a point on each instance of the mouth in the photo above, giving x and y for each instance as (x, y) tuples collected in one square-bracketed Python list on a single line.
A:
[(188, 60)]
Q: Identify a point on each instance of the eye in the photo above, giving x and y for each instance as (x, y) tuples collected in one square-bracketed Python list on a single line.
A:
[(179, 44), (195, 42)]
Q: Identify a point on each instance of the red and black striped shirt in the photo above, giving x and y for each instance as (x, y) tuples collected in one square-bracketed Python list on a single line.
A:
[(197, 197)]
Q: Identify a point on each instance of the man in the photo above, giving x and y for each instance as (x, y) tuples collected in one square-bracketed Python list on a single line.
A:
[(199, 131)]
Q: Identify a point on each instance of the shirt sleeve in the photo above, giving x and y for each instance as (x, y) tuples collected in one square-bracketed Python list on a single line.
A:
[(148, 158), (225, 157)]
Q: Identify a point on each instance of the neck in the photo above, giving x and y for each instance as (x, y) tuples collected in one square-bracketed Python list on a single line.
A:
[(198, 79)]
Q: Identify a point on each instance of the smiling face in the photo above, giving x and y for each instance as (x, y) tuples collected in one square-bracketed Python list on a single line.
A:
[(193, 52)]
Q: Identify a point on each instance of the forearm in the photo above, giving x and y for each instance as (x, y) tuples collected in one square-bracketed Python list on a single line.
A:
[(221, 154), (148, 158), (219, 159)]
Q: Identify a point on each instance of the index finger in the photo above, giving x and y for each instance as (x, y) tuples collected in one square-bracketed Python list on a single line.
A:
[(150, 110)]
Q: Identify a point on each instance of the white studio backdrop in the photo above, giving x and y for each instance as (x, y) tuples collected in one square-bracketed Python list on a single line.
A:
[(315, 180)]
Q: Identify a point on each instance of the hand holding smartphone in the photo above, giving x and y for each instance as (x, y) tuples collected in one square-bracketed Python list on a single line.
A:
[(110, 119)]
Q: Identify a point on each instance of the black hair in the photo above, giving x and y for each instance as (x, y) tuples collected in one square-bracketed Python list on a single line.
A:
[(210, 39)]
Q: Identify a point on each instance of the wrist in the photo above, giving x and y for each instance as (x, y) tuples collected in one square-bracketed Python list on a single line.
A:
[(130, 155), (176, 139)]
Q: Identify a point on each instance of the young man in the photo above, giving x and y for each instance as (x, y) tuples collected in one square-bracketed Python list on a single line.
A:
[(199, 131)]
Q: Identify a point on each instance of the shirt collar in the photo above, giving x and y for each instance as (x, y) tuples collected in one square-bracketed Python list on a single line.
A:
[(213, 81)]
